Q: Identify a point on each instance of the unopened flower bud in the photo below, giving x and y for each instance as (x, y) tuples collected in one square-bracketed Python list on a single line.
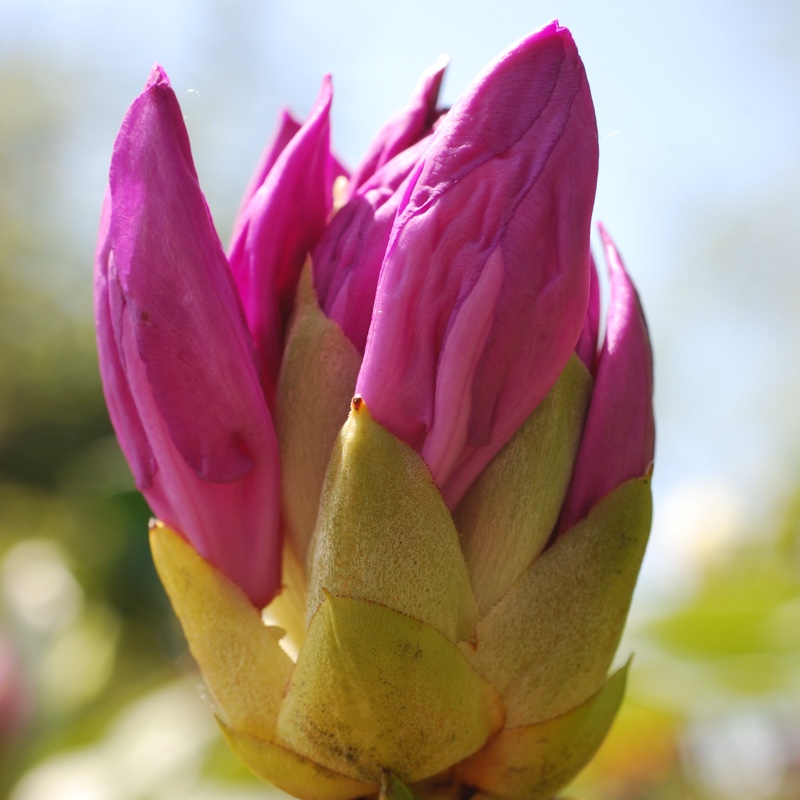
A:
[(401, 407)]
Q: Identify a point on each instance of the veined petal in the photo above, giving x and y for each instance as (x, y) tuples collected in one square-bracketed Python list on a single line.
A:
[(619, 437), (348, 259), (405, 128), (483, 291), (177, 361), (278, 229)]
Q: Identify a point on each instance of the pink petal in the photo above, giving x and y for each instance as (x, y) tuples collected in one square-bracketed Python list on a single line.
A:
[(405, 128), (279, 227), (619, 437), (177, 361), (121, 405), (484, 288), (187, 319), (348, 258), (288, 126), (587, 344)]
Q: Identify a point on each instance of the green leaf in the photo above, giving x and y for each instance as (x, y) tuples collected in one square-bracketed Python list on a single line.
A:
[(748, 605), (374, 689)]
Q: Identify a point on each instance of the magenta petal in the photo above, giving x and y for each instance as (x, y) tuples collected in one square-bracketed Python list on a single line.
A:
[(619, 437), (178, 288), (587, 344), (278, 229), (483, 292), (288, 126), (121, 405), (177, 361), (405, 128), (349, 255)]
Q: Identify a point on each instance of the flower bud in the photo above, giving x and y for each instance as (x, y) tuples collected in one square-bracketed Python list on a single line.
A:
[(460, 541)]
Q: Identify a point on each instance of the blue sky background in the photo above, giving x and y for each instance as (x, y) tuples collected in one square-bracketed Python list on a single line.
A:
[(697, 107)]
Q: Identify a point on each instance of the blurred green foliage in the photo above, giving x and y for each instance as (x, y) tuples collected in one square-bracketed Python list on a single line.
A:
[(63, 482)]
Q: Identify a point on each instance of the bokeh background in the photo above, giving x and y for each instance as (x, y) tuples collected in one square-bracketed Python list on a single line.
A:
[(699, 119)]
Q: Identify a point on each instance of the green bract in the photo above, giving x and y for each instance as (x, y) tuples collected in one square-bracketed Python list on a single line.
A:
[(401, 676)]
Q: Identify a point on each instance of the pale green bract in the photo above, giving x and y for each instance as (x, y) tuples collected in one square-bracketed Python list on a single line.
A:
[(403, 683)]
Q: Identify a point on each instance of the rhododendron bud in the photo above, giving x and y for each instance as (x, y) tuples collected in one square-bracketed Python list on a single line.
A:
[(410, 411)]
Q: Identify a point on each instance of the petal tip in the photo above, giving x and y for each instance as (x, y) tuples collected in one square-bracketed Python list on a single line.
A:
[(158, 78), (553, 30), (326, 89)]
